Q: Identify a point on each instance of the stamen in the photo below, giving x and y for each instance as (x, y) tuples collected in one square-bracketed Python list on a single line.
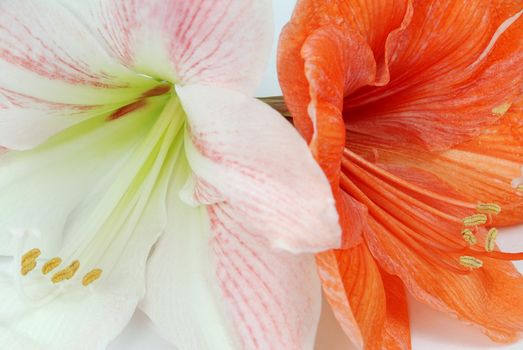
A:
[(469, 237), (489, 208), (28, 262), (470, 261), (519, 188), (490, 242), (51, 265), (91, 276), (67, 273), (75, 265), (33, 254), (475, 220), (501, 109), (27, 267)]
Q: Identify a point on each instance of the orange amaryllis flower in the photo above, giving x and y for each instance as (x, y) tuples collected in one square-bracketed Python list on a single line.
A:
[(414, 111)]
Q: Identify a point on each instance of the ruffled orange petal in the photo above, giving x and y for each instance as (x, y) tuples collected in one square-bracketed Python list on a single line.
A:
[(450, 76), (491, 296), (379, 308), (371, 20)]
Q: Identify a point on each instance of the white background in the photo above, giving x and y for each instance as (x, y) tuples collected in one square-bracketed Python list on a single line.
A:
[(430, 330)]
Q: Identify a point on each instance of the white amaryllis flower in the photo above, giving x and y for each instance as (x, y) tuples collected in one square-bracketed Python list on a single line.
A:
[(129, 124)]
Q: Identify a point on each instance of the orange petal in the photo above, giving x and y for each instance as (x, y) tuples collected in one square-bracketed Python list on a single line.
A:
[(353, 286), (334, 290), (493, 160), (365, 292), (490, 297), (372, 20), (397, 324), (448, 76), (327, 53), (479, 171)]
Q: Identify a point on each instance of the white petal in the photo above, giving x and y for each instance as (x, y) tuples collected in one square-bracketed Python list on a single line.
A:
[(211, 286), (92, 317), (225, 43), (89, 318), (68, 315), (43, 188), (246, 154)]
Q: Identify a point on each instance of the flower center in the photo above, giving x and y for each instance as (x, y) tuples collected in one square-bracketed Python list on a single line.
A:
[(97, 234)]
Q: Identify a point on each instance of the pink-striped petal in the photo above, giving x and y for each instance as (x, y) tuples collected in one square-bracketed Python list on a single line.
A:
[(224, 43), (54, 73), (213, 285), (245, 155)]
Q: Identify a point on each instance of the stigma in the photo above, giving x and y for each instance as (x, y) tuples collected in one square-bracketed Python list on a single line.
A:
[(490, 242), (469, 236)]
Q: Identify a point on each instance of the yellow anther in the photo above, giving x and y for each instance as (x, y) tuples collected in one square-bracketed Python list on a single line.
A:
[(489, 208), (91, 276), (519, 188), (75, 265), (61, 275), (469, 237), (490, 242), (475, 220), (28, 262), (67, 273), (33, 254), (470, 261), (51, 265), (501, 109), (27, 267)]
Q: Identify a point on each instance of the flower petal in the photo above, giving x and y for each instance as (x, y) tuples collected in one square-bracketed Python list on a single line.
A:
[(47, 53), (245, 154), (111, 227), (437, 95), (337, 60), (336, 295), (43, 188), (200, 41), (212, 285), (445, 88), (370, 20), (54, 73), (481, 170), (379, 308), (90, 316), (490, 297), (397, 324)]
